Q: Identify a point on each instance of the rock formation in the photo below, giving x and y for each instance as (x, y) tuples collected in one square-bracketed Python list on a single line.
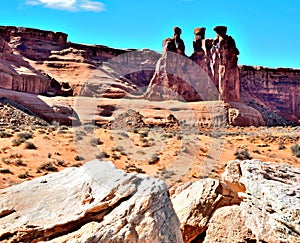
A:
[(176, 78), (44, 62), (7, 32), (194, 206), (199, 56), (275, 88), (93, 203), (255, 202), (270, 204), (225, 67), (17, 74), (228, 225)]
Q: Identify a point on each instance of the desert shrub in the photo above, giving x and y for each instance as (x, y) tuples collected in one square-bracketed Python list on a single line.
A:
[(281, 146), (41, 131), (296, 150), (5, 171), (115, 156), (144, 134), (184, 149), (18, 141), (154, 159), (95, 141), (123, 153), (63, 128), (5, 160), (179, 136), (132, 168), (24, 175), (242, 154), (25, 135), (102, 155), (48, 167), (124, 134), (19, 162), (77, 165), (4, 134), (15, 156), (61, 162), (256, 151), (89, 128), (30, 145), (78, 158), (118, 149)]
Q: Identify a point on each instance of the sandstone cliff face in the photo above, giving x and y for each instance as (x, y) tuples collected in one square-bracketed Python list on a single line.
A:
[(47, 57), (7, 32), (277, 89), (178, 78), (17, 74), (37, 61)]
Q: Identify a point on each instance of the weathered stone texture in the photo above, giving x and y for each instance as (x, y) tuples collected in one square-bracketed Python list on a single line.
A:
[(277, 88), (93, 203)]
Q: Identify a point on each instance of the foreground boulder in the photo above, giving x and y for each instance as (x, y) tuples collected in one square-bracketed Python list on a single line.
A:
[(93, 203), (254, 202), (270, 207), (227, 225), (195, 204)]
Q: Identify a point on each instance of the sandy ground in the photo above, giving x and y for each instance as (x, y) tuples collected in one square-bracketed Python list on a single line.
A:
[(172, 154)]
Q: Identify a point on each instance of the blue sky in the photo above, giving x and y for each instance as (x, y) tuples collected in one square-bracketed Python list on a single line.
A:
[(266, 32)]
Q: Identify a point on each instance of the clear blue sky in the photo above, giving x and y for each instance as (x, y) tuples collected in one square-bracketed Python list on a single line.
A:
[(266, 32)]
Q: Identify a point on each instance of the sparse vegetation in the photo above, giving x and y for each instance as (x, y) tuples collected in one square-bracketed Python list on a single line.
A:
[(61, 162), (48, 167), (154, 159), (115, 156), (25, 135), (77, 165), (296, 150), (18, 141), (5, 171), (256, 151), (4, 134), (78, 158), (281, 146), (102, 155), (242, 154), (30, 145), (19, 162), (95, 141), (24, 175)]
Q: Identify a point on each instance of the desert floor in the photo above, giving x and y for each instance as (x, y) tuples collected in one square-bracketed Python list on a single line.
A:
[(171, 153)]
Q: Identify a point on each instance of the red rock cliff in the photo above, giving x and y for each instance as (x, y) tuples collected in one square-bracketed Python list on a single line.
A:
[(275, 88)]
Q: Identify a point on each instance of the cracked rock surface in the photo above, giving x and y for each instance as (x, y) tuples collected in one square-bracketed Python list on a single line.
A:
[(93, 203), (271, 201)]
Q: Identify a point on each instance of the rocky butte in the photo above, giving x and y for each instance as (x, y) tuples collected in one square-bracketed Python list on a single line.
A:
[(43, 64)]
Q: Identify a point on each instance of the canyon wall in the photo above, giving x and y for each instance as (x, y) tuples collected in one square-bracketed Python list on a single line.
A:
[(40, 62), (276, 88), (7, 32)]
